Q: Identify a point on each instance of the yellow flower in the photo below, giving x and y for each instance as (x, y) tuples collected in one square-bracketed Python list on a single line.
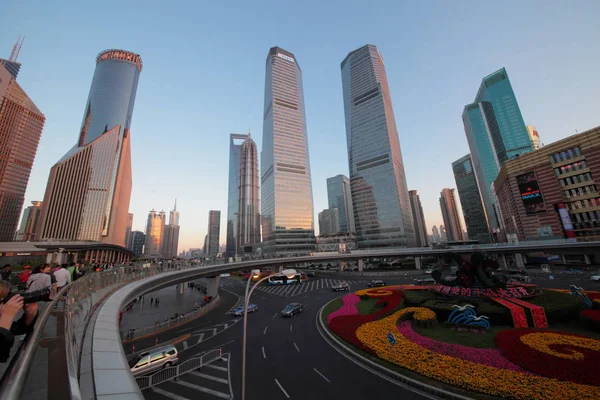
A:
[(541, 341)]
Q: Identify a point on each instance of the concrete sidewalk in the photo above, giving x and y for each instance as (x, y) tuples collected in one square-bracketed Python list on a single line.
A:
[(171, 301)]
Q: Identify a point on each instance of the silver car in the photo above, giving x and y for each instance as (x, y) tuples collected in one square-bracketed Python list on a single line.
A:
[(153, 360)]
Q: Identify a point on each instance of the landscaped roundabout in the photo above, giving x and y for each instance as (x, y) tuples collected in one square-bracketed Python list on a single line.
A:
[(493, 338)]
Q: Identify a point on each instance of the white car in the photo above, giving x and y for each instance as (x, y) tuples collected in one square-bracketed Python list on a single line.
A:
[(225, 275), (595, 278)]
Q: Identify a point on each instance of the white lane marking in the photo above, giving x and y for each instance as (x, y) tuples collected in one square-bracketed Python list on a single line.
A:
[(317, 298), (215, 367), (214, 331), (265, 331), (322, 376), (168, 394), (185, 345), (305, 304), (200, 337), (203, 389), (274, 315), (296, 346), (282, 389), (210, 377), (264, 355), (290, 327), (297, 290)]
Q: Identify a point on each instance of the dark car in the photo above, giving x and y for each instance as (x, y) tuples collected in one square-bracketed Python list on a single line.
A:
[(376, 282), (291, 309), (311, 273)]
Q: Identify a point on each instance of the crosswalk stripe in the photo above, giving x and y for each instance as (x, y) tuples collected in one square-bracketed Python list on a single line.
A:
[(185, 344), (200, 337), (206, 376), (168, 394), (203, 389), (216, 367)]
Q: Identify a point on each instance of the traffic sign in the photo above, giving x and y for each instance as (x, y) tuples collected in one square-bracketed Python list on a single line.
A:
[(391, 338)]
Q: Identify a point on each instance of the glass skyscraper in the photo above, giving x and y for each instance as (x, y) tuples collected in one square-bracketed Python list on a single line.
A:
[(340, 197), (235, 149), (382, 212), (286, 189), (470, 200), (248, 230), (495, 132), (418, 219), (89, 188)]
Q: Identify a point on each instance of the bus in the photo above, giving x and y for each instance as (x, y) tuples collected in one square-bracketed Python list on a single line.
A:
[(287, 277)]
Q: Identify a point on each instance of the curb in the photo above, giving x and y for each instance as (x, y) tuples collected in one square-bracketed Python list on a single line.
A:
[(404, 381)]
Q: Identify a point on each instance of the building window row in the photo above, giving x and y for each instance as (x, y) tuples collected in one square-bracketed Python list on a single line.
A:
[(565, 169), (581, 191), (565, 155), (588, 216), (574, 180), (587, 203)]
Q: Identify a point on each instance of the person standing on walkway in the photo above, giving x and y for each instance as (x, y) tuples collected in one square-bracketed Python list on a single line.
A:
[(151, 300), (63, 277), (156, 302)]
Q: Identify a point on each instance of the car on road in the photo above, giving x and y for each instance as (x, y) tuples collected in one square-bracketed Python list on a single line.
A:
[(311, 274), (595, 278), (150, 361), (225, 275), (376, 282), (425, 281), (428, 271), (341, 286), (291, 309), (240, 310)]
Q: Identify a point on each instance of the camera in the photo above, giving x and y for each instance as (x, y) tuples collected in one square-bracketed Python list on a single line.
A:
[(31, 297)]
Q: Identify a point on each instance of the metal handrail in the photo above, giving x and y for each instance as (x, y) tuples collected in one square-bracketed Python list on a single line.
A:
[(13, 381), (166, 374)]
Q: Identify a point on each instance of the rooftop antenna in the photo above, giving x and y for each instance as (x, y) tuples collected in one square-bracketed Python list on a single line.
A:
[(14, 54), (249, 134), (175, 208)]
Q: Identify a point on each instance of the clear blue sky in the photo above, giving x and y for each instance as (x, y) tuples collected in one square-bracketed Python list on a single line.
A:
[(203, 78)]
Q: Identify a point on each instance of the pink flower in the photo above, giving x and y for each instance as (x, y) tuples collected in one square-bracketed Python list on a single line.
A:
[(349, 307), (491, 357)]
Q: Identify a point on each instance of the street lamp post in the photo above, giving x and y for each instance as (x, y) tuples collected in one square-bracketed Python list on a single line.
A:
[(246, 299)]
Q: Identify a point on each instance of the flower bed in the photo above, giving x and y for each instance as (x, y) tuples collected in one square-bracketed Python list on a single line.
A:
[(591, 318), (491, 357), (552, 354), (464, 373), (349, 307)]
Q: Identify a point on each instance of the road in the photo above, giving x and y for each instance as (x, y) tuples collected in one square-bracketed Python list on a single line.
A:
[(287, 357)]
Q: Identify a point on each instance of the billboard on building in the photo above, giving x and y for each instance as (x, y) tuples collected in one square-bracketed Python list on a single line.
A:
[(531, 194)]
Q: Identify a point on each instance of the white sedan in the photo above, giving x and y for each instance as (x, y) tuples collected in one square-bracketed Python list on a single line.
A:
[(595, 278), (225, 275)]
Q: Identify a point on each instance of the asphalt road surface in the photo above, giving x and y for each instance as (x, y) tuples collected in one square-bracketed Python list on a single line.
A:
[(287, 358)]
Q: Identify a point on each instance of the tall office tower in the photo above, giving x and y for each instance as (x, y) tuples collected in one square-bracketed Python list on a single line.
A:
[(495, 132), (128, 229), (340, 197), (155, 230), (418, 219), (248, 232), (536, 142), (450, 215), (89, 188), (435, 233), (286, 189), (470, 200), (171, 236), (329, 222), (11, 65), (235, 150), (214, 232), (137, 240), (21, 124), (379, 193), (29, 222), (443, 236)]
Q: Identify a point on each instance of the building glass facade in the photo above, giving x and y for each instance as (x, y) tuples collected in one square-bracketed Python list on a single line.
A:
[(329, 222), (136, 242), (339, 196), (454, 231), (470, 200), (155, 231), (380, 199), (235, 149), (286, 188), (248, 230), (418, 219), (214, 233)]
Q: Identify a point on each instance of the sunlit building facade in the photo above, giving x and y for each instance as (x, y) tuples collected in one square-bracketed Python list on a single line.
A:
[(235, 150), (29, 222), (380, 199), (536, 142), (21, 124), (339, 196), (248, 230), (286, 189), (418, 219), (155, 231), (171, 234), (89, 188), (449, 206)]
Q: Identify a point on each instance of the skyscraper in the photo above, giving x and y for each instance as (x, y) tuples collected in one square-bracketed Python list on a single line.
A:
[(379, 193), (329, 222), (21, 124), (286, 189), (418, 219), (136, 242), (435, 233), (89, 188), (171, 235), (128, 229), (536, 142), (248, 232), (29, 222), (233, 199), (450, 214), (443, 236), (340, 197), (470, 200), (155, 230), (11, 65), (495, 132), (214, 232)]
